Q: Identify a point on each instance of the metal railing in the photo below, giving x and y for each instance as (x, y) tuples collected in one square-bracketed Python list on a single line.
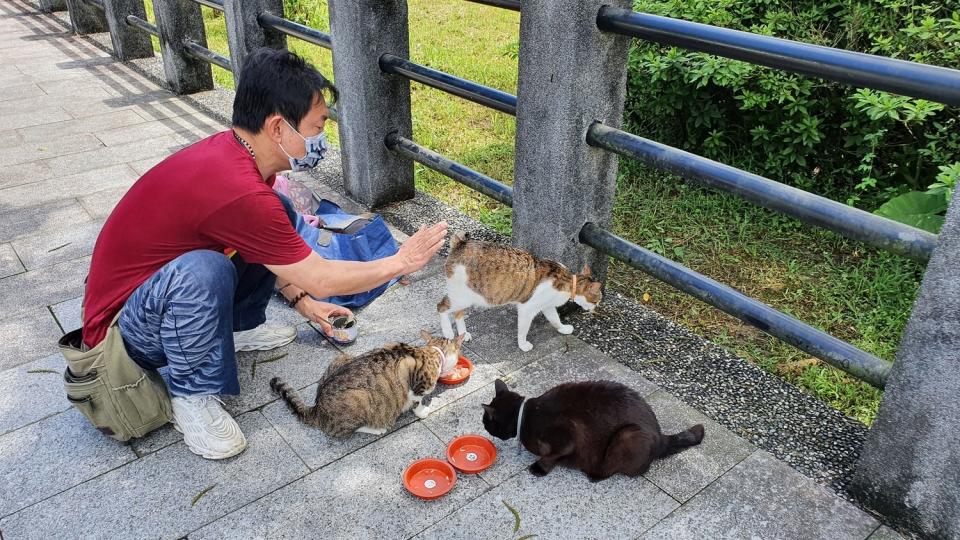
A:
[(215, 4), (294, 29), (143, 25), (853, 68), (202, 53), (477, 93)]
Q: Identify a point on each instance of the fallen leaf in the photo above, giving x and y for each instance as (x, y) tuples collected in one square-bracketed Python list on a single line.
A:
[(201, 494), (516, 516)]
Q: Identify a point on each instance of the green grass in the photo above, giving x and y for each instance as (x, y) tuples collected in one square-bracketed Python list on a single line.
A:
[(838, 286)]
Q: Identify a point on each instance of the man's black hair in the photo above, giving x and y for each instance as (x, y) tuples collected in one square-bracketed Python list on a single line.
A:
[(275, 81)]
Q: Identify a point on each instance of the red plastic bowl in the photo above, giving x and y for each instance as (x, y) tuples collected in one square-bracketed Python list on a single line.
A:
[(471, 453), (429, 478), (461, 372)]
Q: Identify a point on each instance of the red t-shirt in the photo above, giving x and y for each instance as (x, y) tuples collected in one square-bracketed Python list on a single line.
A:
[(207, 196)]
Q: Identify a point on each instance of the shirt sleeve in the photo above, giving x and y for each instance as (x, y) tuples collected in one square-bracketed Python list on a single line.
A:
[(257, 226)]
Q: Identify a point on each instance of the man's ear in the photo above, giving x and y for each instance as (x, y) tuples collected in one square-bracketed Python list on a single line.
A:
[(272, 127)]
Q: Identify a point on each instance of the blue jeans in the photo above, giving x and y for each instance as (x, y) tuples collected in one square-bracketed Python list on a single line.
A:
[(181, 320)]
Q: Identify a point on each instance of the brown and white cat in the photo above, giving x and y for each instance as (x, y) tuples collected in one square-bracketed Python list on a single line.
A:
[(602, 428), (366, 393), (486, 274)]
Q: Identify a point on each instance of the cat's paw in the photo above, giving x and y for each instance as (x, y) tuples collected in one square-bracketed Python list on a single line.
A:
[(525, 346), (466, 336), (537, 470), (371, 431), (565, 329), (422, 411)]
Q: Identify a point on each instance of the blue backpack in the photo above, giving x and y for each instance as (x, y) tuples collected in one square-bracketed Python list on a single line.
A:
[(347, 237)]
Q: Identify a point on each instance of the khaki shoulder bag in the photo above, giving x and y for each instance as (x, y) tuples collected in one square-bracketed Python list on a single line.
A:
[(119, 397)]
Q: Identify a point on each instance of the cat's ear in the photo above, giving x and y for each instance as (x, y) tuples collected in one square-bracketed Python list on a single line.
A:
[(459, 340), (500, 386), (586, 271), (488, 410), (425, 335)]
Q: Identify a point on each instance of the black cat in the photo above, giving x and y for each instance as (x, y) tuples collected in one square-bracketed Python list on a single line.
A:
[(602, 428)]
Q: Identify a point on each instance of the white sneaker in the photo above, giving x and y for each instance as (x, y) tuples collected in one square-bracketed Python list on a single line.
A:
[(264, 337), (208, 430)]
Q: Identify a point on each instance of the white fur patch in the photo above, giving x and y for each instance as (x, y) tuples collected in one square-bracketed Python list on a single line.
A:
[(582, 302), (459, 291)]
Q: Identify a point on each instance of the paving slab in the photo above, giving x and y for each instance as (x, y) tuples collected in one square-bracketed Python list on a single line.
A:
[(68, 314), (66, 183), (579, 363), (107, 156), (19, 90), (19, 117), (398, 315), (27, 335), (157, 493), (304, 360), (24, 173), (360, 496), (683, 475), (31, 392), (563, 504), (17, 221), (59, 245), (43, 287), (494, 338), (318, 450), (765, 498), (51, 456), (44, 102), (9, 138), (89, 124), (198, 125), (9, 262), (68, 147), (99, 204)]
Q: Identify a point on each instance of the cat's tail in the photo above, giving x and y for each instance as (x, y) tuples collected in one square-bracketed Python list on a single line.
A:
[(685, 439), (290, 395), (458, 239)]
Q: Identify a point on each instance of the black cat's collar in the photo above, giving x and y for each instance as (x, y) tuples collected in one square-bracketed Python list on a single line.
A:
[(519, 425)]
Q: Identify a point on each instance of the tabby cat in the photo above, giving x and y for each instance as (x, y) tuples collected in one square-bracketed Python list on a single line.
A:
[(601, 427), (487, 274), (366, 393)]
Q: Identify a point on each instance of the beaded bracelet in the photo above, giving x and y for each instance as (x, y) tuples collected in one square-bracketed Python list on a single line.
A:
[(298, 298)]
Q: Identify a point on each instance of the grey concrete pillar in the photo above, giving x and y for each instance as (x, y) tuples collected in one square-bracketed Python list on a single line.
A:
[(909, 468), (244, 33), (86, 19), (48, 6), (128, 42), (571, 74), (372, 104), (179, 21)]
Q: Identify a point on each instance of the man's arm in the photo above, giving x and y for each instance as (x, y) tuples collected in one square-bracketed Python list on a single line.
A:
[(323, 278)]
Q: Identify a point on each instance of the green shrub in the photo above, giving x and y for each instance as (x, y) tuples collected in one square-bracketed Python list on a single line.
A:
[(861, 146)]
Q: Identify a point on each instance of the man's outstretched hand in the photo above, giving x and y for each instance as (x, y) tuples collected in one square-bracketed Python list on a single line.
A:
[(417, 251), (316, 311)]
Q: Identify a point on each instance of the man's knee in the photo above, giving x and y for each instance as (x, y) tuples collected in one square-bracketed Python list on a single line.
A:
[(203, 271)]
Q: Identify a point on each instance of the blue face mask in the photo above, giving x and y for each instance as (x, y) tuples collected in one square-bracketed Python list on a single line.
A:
[(316, 147)]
